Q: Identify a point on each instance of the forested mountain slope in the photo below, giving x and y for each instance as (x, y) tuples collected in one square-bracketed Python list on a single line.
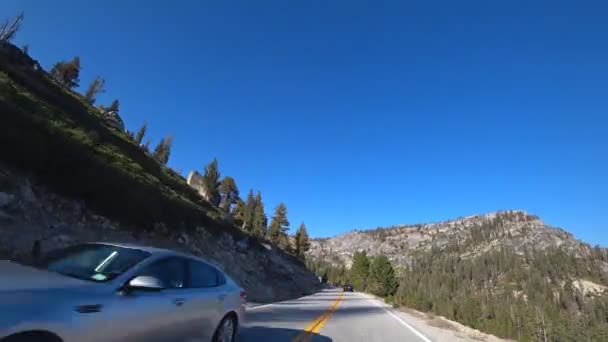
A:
[(506, 273)]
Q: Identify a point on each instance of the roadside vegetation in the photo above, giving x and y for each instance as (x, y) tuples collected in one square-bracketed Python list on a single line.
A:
[(82, 149)]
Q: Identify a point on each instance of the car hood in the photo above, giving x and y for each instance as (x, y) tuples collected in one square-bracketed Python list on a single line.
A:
[(17, 277)]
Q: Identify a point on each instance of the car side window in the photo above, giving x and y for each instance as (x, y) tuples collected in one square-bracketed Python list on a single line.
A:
[(204, 275), (170, 271)]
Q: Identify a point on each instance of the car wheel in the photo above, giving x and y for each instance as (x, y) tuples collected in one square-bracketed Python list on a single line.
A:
[(34, 336), (226, 331)]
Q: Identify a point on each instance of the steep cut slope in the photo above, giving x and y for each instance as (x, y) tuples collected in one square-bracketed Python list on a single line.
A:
[(67, 174)]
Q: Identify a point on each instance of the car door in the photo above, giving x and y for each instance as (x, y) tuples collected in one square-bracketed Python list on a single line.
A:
[(156, 316), (205, 301)]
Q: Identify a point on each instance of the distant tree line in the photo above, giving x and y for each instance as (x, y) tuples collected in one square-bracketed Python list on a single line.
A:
[(372, 274)]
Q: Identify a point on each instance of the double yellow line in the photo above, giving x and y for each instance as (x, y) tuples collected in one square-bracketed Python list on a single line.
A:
[(318, 322)]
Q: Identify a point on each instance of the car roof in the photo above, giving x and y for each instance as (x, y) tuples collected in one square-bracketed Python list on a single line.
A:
[(157, 251), (149, 249), (163, 251)]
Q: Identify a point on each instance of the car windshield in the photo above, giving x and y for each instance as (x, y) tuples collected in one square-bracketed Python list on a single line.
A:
[(94, 262)]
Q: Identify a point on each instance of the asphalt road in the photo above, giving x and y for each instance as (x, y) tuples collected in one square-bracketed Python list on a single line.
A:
[(330, 315)]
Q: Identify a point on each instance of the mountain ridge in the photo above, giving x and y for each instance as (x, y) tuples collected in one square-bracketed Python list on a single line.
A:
[(519, 226), (506, 273)]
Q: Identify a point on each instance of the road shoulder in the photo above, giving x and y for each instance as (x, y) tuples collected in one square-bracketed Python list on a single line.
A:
[(435, 328)]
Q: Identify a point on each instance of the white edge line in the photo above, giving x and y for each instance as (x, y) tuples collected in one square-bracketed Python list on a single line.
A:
[(418, 333)]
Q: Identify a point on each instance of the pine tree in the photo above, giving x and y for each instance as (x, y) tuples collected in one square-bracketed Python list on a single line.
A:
[(382, 281), (238, 212), (67, 73), (114, 106), (247, 213), (229, 193), (147, 145), (259, 219), (302, 243), (211, 183), (163, 149), (359, 271), (279, 225), (9, 29), (141, 132), (96, 87)]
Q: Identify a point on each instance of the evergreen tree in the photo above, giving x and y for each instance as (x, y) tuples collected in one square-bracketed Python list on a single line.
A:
[(67, 73), (247, 212), (114, 106), (147, 145), (163, 149), (229, 193), (324, 277), (141, 132), (211, 183), (238, 212), (302, 243), (382, 281), (359, 271), (96, 87), (259, 220), (279, 225)]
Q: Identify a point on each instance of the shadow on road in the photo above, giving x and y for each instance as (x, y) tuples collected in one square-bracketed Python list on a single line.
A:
[(305, 313), (266, 334)]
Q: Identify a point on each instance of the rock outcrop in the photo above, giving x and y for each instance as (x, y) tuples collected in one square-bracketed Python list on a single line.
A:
[(195, 180), (112, 119)]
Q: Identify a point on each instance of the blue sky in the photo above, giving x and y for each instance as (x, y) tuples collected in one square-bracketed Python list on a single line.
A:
[(361, 114)]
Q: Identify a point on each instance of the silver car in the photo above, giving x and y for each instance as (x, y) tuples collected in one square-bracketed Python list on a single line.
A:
[(115, 292)]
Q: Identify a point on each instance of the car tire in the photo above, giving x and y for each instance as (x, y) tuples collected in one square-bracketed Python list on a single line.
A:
[(34, 336), (226, 330)]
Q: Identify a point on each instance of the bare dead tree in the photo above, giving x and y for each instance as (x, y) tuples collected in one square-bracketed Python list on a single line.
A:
[(9, 28), (96, 87)]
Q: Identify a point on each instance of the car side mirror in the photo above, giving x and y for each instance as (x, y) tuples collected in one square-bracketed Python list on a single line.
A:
[(145, 283)]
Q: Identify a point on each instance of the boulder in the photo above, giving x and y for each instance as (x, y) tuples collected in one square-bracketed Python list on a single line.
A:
[(6, 199), (113, 120), (183, 239)]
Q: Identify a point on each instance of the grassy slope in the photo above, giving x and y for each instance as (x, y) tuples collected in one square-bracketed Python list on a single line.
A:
[(52, 133)]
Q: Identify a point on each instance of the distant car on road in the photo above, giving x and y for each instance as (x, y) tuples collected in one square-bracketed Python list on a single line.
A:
[(115, 292), (348, 288)]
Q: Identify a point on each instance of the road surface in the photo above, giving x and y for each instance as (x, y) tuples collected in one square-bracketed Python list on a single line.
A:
[(330, 315)]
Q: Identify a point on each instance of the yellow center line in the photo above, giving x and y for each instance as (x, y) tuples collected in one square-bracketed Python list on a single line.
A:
[(318, 323)]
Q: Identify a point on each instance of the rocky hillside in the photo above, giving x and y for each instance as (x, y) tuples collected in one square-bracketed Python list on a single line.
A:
[(34, 220), (70, 173), (515, 230)]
